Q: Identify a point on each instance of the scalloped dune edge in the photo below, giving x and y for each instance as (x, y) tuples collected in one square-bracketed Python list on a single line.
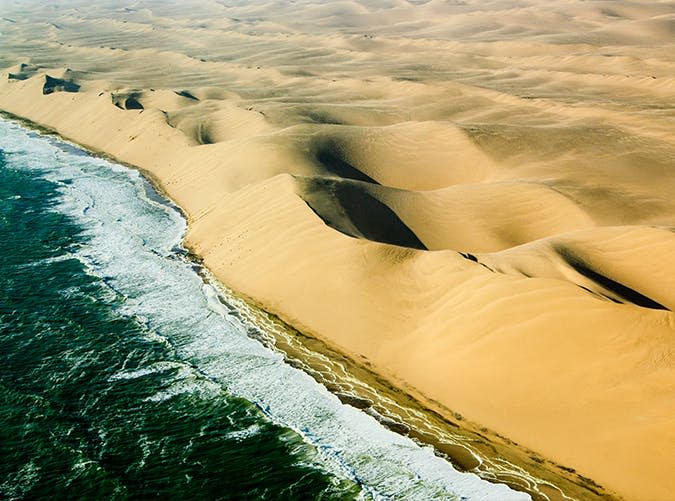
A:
[(494, 232)]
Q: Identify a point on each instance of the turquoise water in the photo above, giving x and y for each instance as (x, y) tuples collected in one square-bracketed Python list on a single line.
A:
[(122, 376)]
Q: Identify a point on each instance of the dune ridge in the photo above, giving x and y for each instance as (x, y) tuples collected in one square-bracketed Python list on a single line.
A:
[(472, 199)]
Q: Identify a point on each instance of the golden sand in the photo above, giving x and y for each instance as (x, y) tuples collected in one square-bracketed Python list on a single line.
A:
[(475, 199)]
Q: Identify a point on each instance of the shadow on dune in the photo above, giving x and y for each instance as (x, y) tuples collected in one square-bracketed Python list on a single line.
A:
[(186, 94), (128, 101), (331, 155), (58, 85), (17, 76), (613, 287), (349, 208)]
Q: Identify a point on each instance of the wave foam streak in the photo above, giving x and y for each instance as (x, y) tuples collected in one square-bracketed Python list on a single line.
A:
[(134, 246)]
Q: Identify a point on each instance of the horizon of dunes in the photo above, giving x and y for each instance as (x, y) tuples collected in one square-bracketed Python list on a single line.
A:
[(474, 199)]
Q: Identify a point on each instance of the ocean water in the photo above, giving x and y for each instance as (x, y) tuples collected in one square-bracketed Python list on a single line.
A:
[(124, 376)]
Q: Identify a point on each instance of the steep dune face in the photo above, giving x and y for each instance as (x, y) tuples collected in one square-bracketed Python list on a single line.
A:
[(474, 199)]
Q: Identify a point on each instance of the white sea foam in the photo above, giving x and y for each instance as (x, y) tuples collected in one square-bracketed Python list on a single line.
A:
[(131, 242), (155, 368)]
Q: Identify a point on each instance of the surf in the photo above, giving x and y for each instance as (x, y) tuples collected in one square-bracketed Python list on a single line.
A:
[(132, 247)]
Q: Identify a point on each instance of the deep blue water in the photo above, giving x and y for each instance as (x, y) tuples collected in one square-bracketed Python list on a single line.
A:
[(123, 377)]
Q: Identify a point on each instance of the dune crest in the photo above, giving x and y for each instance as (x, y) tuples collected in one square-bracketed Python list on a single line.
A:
[(474, 200)]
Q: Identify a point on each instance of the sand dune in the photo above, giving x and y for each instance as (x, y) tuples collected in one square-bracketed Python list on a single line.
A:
[(473, 199)]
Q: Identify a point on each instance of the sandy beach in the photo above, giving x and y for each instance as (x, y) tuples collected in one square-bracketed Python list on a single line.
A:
[(473, 200)]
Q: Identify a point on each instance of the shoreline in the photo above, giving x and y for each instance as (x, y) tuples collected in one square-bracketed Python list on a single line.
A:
[(468, 446), (499, 334), (337, 448)]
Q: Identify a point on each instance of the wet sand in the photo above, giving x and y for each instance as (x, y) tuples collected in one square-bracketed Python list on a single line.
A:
[(472, 201)]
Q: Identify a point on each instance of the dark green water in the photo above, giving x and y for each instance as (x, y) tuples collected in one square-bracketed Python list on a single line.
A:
[(69, 428), (123, 376)]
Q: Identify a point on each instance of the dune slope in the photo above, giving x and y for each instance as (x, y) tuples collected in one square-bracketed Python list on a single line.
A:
[(473, 199)]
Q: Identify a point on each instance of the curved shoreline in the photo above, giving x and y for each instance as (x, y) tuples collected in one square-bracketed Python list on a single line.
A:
[(495, 320), (468, 446), (341, 435)]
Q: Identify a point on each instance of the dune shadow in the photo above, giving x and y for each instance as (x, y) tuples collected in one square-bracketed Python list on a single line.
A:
[(128, 101), (614, 287), (186, 94), (349, 208), (52, 85), (331, 155)]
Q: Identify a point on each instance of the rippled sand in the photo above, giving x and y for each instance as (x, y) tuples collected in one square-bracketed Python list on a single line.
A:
[(474, 199)]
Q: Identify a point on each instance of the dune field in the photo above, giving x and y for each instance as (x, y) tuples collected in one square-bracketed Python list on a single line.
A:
[(473, 199)]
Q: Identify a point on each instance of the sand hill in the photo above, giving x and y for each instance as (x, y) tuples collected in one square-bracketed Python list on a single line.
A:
[(474, 199)]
